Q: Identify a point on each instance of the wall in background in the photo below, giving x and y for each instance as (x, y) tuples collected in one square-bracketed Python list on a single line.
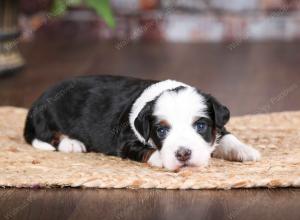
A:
[(193, 20)]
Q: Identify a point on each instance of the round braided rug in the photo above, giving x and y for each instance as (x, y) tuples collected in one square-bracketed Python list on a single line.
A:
[(276, 136)]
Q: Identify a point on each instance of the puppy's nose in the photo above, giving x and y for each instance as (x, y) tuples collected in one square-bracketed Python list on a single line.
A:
[(183, 154)]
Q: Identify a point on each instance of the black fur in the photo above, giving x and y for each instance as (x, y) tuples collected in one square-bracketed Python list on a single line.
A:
[(219, 114), (93, 110), (143, 120)]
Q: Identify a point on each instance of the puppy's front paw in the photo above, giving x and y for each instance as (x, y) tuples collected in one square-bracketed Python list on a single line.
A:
[(240, 153), (246, 153), (155, 160), (232, 149)]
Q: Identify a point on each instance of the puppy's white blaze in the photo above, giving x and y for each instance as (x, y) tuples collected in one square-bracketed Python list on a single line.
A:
[(180, 109), (148, 95), (36, 143), (71, 145), (231, 148)]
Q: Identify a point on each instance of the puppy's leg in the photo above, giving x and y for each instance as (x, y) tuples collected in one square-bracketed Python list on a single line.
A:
[(231, 148), (141, 153)]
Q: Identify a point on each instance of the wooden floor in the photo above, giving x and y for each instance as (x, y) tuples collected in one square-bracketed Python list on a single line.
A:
[(104, 204), (251, 78)]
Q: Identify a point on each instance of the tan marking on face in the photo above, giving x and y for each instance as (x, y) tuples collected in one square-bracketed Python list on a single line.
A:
[(164, 123)]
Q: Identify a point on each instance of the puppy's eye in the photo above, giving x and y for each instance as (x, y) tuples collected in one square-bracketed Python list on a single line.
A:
[(200, 127), (162, 132)]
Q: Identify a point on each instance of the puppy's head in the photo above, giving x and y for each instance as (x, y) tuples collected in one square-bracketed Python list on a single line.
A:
[(181, 123)]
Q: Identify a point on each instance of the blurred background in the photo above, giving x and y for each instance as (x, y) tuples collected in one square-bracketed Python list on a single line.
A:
[(246, 53)]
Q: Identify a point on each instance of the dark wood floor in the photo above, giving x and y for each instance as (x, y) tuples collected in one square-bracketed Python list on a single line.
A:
[(149, 204), (252, 78)]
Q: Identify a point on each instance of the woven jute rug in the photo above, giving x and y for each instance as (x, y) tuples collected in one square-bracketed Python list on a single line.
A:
[(276, 136)]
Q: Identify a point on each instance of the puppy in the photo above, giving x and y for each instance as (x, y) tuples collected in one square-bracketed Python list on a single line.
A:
[(164, 123)]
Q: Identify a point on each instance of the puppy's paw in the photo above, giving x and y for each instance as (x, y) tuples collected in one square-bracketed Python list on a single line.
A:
[(68, 145), (248, 153), (42, 145), (241, 153), (230, 148), (155, 160)]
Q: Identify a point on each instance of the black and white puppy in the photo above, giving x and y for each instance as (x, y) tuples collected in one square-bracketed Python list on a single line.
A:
[(165, 123)]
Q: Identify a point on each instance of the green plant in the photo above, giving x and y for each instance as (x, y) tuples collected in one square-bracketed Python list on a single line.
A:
[(102, 8)]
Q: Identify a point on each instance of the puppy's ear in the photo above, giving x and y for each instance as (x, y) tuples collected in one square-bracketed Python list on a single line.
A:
[(220, 112), (142, 122)]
